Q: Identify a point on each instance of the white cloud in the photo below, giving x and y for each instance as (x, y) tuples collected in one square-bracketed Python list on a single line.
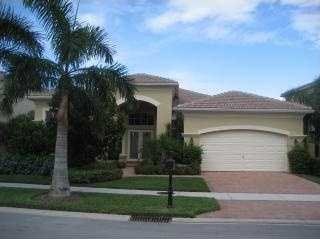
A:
[(232, 20), (190, 11), (309, 24), (232, 35), (92, 19), (301, 3)]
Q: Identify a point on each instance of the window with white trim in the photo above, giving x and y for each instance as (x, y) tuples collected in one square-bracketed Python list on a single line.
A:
[(141, 119)]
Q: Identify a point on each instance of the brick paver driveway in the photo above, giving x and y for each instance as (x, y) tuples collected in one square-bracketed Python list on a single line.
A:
[(267, 210), (259, 182), (263, 182)]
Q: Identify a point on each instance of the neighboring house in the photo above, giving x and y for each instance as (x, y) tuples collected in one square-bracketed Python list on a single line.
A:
[(237, 130), (22, 107)]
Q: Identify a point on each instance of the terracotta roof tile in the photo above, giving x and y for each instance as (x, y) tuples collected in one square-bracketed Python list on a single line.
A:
[(241, 101), (142, 78), (186, 96)]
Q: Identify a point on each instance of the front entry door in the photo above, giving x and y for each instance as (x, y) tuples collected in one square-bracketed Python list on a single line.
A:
[(137, 139)]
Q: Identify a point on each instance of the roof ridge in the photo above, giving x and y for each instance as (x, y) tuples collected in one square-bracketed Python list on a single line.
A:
[(194, 91), (239, 100), (195, 101), (265, 97), (145, 78)]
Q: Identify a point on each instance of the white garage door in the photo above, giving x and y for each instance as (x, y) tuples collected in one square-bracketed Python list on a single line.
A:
[(241, 150)]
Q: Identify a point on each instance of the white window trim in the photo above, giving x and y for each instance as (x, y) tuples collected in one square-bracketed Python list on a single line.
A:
[(141, 98)]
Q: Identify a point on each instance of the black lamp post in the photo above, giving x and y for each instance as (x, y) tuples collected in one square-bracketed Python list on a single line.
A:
[(170, 166)]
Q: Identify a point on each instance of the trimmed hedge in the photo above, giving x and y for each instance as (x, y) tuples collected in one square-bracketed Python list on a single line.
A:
[(94, 175), (186, 155), (43, 166), (148, 168), (300, 160), (26, 164), (316, 167), (22, 135)]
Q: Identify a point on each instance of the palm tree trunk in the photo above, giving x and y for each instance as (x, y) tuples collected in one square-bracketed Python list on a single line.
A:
[(60, 186)]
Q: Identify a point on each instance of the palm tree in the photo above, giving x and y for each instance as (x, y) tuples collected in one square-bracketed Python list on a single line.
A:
[(73, 44), (310, 97)]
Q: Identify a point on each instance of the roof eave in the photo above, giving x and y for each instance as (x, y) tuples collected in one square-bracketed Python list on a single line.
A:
[(156, 84), (306, 111)]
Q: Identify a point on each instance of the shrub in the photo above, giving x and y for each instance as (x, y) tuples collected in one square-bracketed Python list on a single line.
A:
[(148, 168), (186, 155), (94, 175), (316, 167), (121, 164), (299, 160), (104, 164), (26, 164), (191, 154), (25, 136)]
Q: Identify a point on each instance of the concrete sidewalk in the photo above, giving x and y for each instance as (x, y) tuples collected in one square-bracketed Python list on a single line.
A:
[(218, 196)]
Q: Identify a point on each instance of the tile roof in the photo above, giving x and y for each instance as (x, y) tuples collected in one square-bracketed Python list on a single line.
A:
[(237, 101), (186, 96), (146, 79)]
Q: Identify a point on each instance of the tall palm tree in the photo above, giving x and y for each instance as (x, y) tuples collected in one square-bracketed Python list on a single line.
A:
[(73, 44)]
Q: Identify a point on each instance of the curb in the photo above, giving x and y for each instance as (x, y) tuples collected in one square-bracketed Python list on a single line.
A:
[(175, 220), (54, 213), (240, 220)]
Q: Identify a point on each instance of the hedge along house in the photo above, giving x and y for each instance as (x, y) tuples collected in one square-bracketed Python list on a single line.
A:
[(238, 131)]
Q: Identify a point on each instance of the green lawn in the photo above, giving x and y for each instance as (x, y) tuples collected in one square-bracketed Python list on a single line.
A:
[(311, 178), (192, 184), (107, 203)]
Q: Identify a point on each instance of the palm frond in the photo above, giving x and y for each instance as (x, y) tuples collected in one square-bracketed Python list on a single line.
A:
[(89, 42), (105, 82), (57, 18), (16, 33), (25, 74)]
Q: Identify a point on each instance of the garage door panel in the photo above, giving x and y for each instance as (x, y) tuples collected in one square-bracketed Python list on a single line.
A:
[(241, 150)]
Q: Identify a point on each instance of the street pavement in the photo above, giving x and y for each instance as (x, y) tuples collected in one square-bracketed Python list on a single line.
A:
[(25, 225)]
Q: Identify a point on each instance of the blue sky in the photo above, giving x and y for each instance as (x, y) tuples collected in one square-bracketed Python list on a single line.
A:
[(210, 46)]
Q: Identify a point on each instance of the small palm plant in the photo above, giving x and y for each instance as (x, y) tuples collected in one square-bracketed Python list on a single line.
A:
[(73, 44)]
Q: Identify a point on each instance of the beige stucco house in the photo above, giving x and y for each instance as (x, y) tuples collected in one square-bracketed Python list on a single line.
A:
[(237, 130)]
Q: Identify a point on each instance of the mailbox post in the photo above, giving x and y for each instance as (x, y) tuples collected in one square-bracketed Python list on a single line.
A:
[(170, 166)]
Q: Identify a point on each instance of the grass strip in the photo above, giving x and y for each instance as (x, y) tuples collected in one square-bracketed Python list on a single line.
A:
[(107, 203)]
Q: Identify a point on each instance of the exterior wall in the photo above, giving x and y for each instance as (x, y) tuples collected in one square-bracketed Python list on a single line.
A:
[(195, 121), (163, 95), (40, 107), (22, 107)]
